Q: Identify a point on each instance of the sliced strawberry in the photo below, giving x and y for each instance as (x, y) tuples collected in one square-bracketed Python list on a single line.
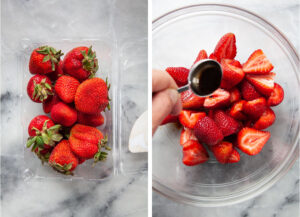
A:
[(218, 99), (226, 123), (213, 57), (189, 118), (179, 74), (231, 73), (191, 101), (255, 108), (202, 55), (236, 110), (257, 63), (226, 48), (276, 96), (234, 157), (222, 151), (186, 135), (226, 85), (207, 131), (265, 120), (194, 153), (170, 119), (235, 95), (262, 83), (248, 91), (251, 141), (236, 64)]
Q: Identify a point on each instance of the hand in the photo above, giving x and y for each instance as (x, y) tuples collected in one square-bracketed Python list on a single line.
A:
[(165, 98)]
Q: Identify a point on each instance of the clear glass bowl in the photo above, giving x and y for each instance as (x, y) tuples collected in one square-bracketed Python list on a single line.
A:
[(177, 38)]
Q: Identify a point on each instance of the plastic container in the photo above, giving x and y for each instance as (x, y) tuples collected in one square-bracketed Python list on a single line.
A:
[(177, 38)]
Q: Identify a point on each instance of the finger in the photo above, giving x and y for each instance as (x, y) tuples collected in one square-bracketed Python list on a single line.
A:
[(163, 104), (177, 108), (161, 80)]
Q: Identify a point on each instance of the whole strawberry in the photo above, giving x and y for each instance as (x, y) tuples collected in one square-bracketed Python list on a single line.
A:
[(50, 102), (39, 88), (81, 63), (63, 114), (65, 88), (92, 96), (62, 159), (93, 120), (44, 60)]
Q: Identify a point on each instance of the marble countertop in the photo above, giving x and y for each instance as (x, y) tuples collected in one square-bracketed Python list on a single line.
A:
[(281, 200), (54, 20)]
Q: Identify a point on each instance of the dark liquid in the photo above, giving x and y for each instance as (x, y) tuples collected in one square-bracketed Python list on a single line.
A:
[(206, 79)]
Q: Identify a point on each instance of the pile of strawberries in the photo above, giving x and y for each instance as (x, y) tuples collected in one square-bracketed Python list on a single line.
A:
[(75, 100), (235, 115)]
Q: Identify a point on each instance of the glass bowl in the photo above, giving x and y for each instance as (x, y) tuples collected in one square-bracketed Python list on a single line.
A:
[(177, 38)]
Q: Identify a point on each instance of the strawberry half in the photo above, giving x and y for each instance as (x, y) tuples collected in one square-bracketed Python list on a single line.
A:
[(227, 124), (231, 73), (251, 141), (218, 99), (234, 157), (257, 63), (226, 48), (179, 74), (222, 151), (213, 57), (235, 95), (186, 135), (262, 83), (248, 91), (170, 119), (255, 108), (207, 131), (191, 101), (201, 56), (276, 96), (189, 118), (265, 120), (194, 153), (236, 110)]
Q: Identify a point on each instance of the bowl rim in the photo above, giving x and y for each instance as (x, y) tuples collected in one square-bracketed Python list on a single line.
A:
[(278, 172)]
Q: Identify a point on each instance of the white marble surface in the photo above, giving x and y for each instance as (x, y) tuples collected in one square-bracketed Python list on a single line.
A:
[(54, 20), (282, 200)]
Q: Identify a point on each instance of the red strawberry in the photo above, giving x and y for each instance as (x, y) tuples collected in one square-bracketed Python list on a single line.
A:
[(207, 131), (43, 60), (236, 110), (81, 63), (235, 95), (227, 124), (231, 73), (50, 102), (63, 114), (179, 74), (255, 108), (213, 57), (265, 120), (191, 101), (226, 84), (248, 91), (65, 88), (186, 135), (262, 83), (222, 151), (194, 153), (62, 159), (202, 55), (234, 157), (251, 141), (92, 96), (93, 120), (189, 118), (257, 63), (170, 119), (218, 99), (236, 63), (226, 48), (276, 96), (57, 73), (39, 88)]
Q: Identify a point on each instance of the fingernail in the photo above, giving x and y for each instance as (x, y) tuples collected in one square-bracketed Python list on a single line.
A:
[(174, 95)]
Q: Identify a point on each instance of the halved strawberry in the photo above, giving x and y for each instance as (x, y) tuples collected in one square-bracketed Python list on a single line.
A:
[(255, 108), (170, 119), (202, 55), (234, 157), (251, 141), (262, 83), (222, 151), (191, 101), (276, 96), (236, 63), (248, 91), (226, 48), (186, 135), (235, 95), (189, 118), (236, 110), (231, 73), (257, 63), (213, 57), (194, 153), (218, 99), (226, 123), (179, 74), (265, 120)]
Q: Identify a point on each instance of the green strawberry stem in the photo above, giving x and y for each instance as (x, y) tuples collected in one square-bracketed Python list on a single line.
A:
[(108, 87), (64, 169), (101, 155), (90, 62), (42, 90), (50, 55)]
